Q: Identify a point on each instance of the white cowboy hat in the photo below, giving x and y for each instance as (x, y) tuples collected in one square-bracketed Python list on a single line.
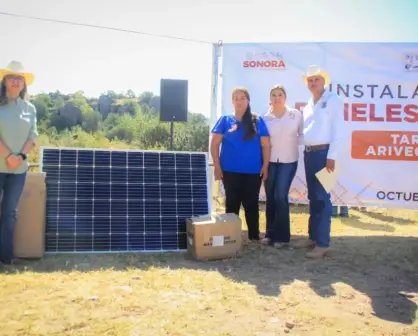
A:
[(16, 68), (315, 70)]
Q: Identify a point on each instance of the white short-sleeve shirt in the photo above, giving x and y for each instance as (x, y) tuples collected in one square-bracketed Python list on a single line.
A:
[(324, 123), (285, 135)]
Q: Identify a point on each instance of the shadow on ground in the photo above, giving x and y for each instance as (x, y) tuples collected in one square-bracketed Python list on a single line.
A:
[(370, 220), (389, 218), (360, 223), (378, 266)]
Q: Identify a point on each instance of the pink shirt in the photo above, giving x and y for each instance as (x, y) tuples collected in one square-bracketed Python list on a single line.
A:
[(286, 134)]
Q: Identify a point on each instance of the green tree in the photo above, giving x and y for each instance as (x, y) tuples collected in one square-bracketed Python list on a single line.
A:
[(59, 103), (130, 94), (41, 105), (124, 130), (145, 98), (114, 119), (91, 121), (130, 107)]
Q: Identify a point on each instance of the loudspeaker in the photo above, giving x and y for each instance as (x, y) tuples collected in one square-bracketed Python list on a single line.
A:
[(173, 99)]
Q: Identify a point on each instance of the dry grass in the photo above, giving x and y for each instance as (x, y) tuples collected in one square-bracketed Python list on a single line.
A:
[(355, 292)]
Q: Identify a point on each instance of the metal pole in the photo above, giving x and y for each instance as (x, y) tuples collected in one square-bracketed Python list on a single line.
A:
[(171, 134), (213, 118)]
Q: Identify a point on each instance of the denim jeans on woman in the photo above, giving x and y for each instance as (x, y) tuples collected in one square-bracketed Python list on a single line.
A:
[(11, 188), (277, 188)]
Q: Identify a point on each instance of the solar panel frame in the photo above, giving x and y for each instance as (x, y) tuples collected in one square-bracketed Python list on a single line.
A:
[(77, 150)]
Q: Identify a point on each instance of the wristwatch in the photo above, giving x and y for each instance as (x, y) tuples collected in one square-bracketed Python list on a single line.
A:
[(23, 155)]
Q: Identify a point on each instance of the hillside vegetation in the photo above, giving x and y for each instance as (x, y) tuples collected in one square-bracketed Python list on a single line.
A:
[(113, 120)]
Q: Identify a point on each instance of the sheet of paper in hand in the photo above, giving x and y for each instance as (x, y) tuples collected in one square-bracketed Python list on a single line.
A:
[(329, 179)]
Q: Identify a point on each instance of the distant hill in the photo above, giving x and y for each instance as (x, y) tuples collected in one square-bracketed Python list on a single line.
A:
[(121, 120)]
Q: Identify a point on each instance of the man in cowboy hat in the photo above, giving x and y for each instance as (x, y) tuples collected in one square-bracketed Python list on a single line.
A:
[(18, 133), (323, 128)]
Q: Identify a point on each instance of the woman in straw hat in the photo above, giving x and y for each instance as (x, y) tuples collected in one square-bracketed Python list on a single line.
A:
[(18, 134)]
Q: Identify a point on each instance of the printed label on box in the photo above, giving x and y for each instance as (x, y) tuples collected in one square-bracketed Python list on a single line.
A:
[(218, 241)]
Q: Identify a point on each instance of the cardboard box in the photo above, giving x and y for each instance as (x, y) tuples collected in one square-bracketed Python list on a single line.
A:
[(213, 237), (29, 238)]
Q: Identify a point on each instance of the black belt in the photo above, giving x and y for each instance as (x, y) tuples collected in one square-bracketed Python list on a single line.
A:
[(316, 147)]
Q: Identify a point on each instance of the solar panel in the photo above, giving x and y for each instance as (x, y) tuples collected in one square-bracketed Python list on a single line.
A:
[(121, 200)]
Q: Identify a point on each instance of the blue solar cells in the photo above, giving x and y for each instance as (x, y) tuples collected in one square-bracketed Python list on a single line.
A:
[(121, 200)]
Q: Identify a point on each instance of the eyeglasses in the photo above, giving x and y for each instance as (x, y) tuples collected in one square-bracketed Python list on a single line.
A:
[(15, 77)]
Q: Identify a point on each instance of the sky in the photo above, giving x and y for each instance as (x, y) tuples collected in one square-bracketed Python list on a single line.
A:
[(72, 58)]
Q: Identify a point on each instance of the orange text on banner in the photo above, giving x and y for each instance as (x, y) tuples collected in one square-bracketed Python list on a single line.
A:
[(384, 145)]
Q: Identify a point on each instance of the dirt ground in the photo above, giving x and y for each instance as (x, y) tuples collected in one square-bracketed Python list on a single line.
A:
[(367, 286)]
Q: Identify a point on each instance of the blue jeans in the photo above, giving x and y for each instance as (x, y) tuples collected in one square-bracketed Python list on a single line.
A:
[(11, 185), (343, 210), (320, 207), (277, 188)]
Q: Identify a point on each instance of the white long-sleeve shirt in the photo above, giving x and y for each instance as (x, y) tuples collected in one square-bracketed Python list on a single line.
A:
[(286, 134), (323, 123)]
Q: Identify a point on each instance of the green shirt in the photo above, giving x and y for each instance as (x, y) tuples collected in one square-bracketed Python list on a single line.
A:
[(17, 126)]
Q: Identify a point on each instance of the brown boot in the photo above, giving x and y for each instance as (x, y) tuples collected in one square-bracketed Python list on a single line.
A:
[(305, 243), (318, 252)]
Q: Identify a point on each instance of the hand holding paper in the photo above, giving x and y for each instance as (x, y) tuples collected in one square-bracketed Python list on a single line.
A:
[(330, 165), (328, 179)]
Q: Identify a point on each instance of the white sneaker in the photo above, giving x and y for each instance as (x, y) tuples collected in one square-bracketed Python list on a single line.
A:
[(280, 245), (265, 241)]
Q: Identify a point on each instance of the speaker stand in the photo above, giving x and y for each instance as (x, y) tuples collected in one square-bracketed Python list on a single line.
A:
[(171, 134)]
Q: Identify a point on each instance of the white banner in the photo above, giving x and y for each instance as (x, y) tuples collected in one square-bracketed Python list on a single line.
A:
[(378, 83)]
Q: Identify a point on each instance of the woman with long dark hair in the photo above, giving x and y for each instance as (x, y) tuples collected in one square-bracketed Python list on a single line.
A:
[(243, 160), (18, 134)]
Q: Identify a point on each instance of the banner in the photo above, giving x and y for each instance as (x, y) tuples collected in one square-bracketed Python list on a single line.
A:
[(378, 83)]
